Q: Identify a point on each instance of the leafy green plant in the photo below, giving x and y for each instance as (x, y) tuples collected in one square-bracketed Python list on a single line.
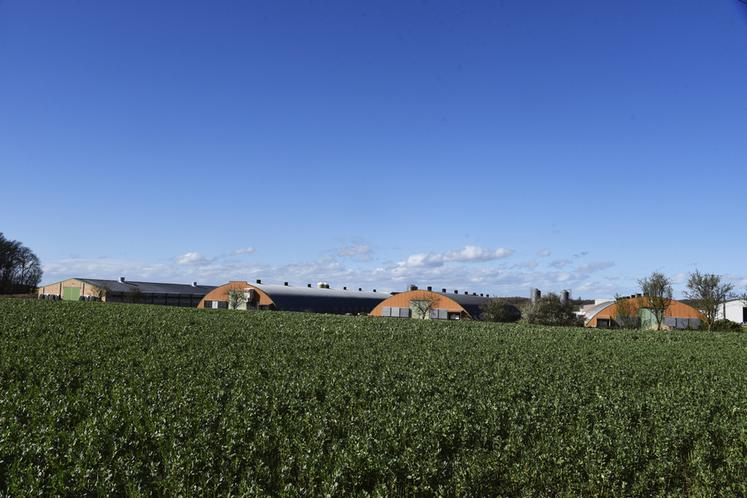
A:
[(154, 401)]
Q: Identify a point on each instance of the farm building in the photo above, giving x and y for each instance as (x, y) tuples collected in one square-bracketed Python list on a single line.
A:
[(429, 304), (677, 316), (318, 299), (125, 291), (734, 310)]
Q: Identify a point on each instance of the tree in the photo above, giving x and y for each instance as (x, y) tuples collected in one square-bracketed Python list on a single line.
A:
[(626, 316), (422, 306), (657, 291), (236, 298), (28, 269), (499, 310), (20, 269), (709, 292), (550, 310), (102, 291)]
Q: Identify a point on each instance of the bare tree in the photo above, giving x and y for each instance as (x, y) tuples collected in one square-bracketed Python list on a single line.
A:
[(28, 268), (626, 315), (423, 305), (102, 291), (709, 292), (236, 298), (20, 269), (657, 291)]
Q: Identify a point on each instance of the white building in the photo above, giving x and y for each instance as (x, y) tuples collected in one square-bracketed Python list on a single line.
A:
[(734, 310)]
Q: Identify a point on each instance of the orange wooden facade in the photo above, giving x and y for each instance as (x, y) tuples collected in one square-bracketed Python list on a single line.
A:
[(221, 293), (676, 309), (402, 300)]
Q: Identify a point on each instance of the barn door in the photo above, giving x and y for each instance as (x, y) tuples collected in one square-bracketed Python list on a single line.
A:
[(71, 293)]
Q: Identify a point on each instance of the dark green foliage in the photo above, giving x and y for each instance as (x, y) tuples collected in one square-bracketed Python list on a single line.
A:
[(20, 269), (144, 400), (498, 310), (549, 310), (726, 326)]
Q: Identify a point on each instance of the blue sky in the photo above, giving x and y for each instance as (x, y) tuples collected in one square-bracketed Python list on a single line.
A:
[(486, 146)]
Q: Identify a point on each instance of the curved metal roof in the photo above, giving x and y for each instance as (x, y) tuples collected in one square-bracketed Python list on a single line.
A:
[(470, 303), (314, 299), (148, 287), (597, 309)]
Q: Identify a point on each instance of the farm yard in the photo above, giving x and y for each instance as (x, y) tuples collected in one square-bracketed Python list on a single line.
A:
[(146, 400)]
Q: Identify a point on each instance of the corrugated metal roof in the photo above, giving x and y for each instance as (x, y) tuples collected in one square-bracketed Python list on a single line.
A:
[(289, 298), (470, 303), (596, 310), (149, 287)]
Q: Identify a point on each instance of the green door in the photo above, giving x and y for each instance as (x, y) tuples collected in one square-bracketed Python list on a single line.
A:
[(71, 294), (648, 319)]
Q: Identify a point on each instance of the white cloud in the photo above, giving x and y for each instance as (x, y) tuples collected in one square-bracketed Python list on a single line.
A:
[(422, 261), (474, 253), (544, 253), (360, 252), (244, 250), (529, 265), (594, 267), (452, 270), (107, 268), (468, 254), (191, 258), (560, 263)]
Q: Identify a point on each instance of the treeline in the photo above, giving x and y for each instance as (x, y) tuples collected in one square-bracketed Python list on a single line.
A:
[(20, 268)]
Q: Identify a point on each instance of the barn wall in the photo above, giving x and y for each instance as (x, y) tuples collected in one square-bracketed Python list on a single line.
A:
[(221, 293), (58, 288), (402, 300), (734, 311), (676, 310)]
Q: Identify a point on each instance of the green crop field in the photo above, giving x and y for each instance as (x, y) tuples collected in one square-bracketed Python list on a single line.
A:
[(144, 400)]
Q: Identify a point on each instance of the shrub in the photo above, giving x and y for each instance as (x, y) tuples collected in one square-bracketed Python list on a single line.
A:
[(726, 326), (549, 310), (499, 310)]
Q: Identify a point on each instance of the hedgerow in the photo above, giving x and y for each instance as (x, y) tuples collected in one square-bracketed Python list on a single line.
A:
[(144, 400)]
